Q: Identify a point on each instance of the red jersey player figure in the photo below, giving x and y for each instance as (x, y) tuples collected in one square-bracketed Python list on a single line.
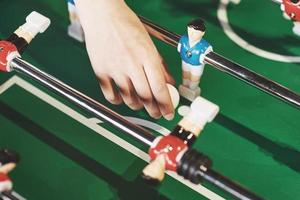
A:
[(291, 9), (166, 150), (8, 161)]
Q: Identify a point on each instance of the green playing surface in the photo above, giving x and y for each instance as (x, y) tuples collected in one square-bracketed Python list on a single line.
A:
[(254, 140)]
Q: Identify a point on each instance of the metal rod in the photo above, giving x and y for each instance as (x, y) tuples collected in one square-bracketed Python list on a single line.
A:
[(229, 67), (107, 115), (8, 196), (253, 78), (229, 186), (83, 101)]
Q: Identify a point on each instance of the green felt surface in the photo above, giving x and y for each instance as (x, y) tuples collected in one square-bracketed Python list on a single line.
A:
[(254, 140)]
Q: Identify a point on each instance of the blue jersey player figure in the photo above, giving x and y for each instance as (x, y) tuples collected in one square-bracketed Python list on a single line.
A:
[(192, 48), (75, 29)]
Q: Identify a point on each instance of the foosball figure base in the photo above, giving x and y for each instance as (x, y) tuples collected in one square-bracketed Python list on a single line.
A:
[(188, 93)]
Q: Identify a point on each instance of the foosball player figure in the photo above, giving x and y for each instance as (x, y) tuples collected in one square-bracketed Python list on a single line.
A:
[(192, 48), (75, 29), (166, 151), (17, 42), (190, 126), (291, 9), (35, 23), (8, 161)]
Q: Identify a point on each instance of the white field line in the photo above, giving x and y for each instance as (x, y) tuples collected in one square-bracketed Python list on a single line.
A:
[(92, 124)]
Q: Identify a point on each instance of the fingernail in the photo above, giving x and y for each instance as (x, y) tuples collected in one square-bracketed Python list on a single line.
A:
[(169, 116), (157, 117)]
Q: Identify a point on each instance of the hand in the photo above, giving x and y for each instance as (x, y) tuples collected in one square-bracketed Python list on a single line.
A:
[(124, 58)]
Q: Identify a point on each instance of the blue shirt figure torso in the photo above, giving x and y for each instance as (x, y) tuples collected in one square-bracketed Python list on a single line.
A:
[(191, 55), (71, 2)]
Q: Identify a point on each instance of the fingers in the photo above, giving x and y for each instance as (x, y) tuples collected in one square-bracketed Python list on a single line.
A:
[(127, 92), (144, 86), (154, 72), (109, 91), (143, 90), (135, 95), (168, 77)]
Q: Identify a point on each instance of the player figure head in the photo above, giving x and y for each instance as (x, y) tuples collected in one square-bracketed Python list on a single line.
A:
[(295, 1), (196, 30), (8, 160)]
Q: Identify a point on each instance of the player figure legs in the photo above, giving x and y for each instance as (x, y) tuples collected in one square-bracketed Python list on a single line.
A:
[(75, 29), (190, 81), (196, 73), (186, 74), (296, 28)]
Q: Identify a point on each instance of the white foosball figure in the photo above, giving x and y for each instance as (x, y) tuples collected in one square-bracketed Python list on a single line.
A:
[(35, 23), (75, 29), (201, 112)]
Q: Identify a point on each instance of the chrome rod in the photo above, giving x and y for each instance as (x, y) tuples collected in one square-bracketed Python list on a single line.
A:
[(229, 186), (225, 65), (83, 101)]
